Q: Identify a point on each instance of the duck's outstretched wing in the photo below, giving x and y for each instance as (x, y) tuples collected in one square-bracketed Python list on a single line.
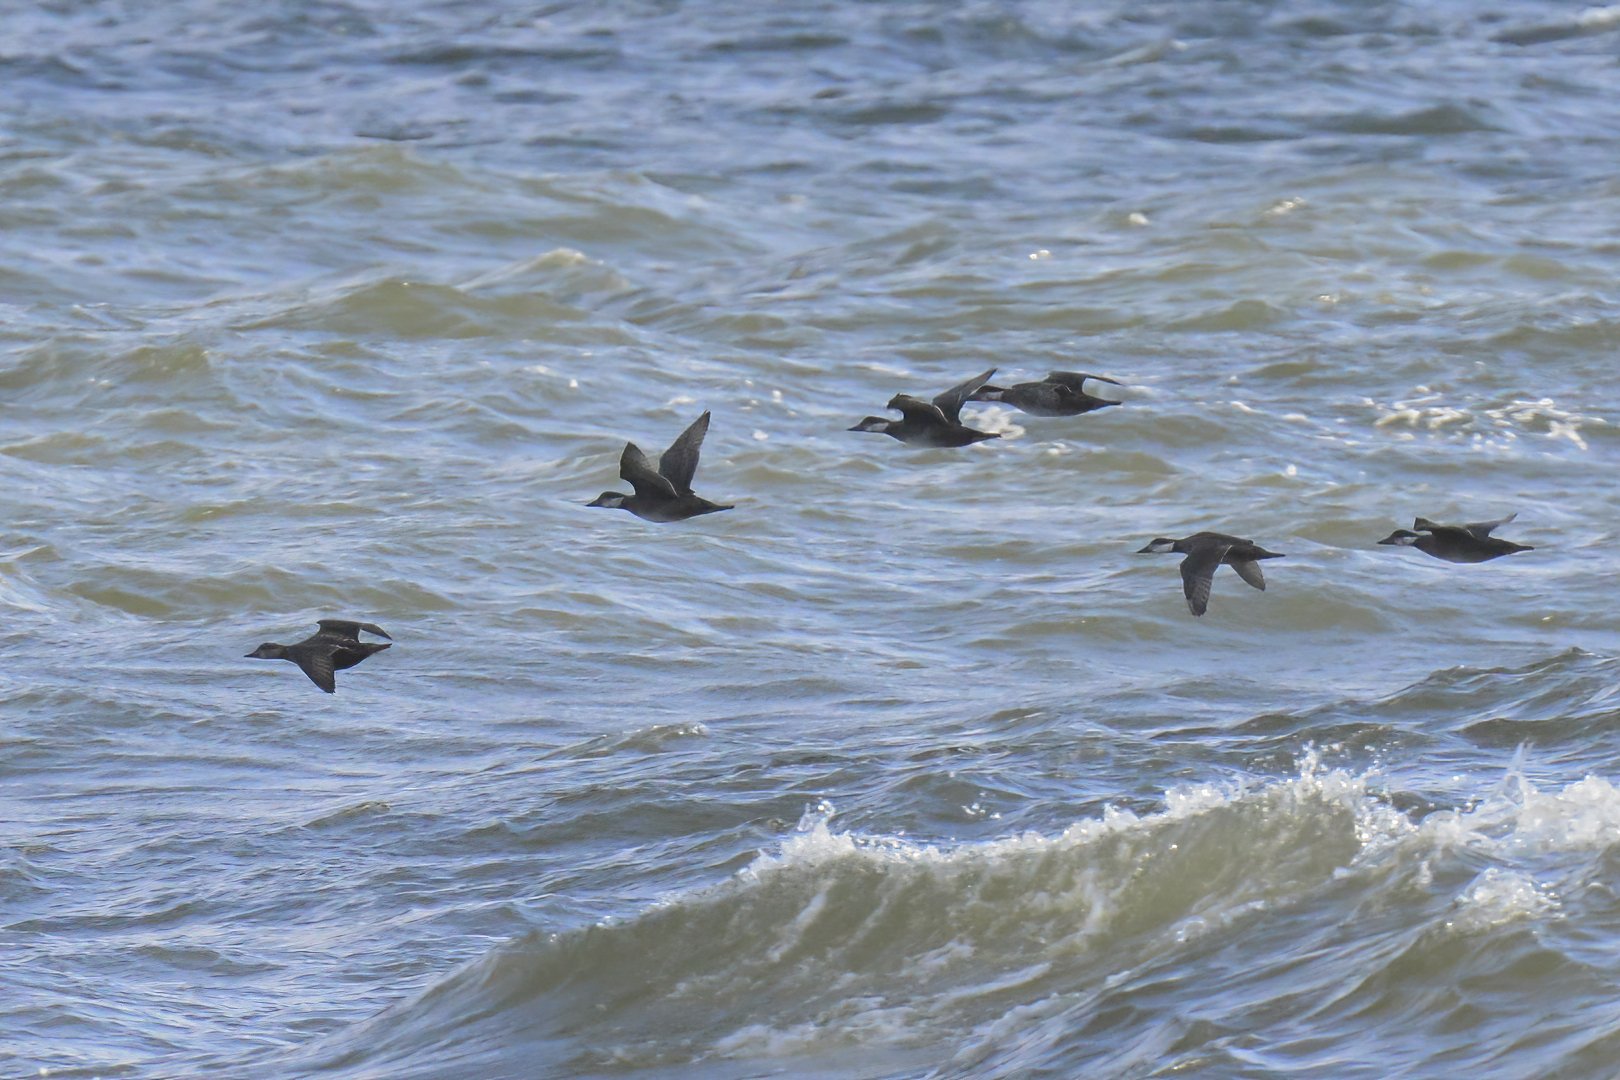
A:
[(910, 407), (1198, 573), (1249, 570), (637, 471), (950, 402), (349, 629), (1479, 530), (317, 664), (1482, 529), (679, 463), (1075, 380)]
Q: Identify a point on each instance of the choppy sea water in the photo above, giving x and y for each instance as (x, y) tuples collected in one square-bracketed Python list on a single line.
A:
[(908, 766)]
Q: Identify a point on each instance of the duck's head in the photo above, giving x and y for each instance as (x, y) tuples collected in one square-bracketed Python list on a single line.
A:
[(1158, 547), (873, 423), (269, 651), (1401, 538), (610, 499)]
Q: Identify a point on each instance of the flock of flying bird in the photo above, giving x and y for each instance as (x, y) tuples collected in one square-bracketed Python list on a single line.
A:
[(665, 494)]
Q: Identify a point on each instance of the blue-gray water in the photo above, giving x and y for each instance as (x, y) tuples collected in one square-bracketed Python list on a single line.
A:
[(908, 766)]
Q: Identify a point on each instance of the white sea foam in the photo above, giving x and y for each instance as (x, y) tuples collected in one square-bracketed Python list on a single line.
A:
[(1408, 418), (1500, 896)]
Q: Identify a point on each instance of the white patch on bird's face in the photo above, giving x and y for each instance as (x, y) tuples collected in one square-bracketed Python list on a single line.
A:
[(1162, 546)]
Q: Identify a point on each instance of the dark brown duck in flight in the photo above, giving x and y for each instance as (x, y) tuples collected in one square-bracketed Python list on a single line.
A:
[(665, 493), (1205, 552), (936, 424), (1061, 393), (1457, 543), (335, 646)]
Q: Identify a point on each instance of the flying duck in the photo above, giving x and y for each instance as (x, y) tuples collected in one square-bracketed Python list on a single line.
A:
[(1457, 543), (335, 646), (1061, 393), (664, 494), (937, 424), (1206, 551)]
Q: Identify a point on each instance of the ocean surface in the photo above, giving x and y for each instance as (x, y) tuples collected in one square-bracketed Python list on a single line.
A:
[(908, 766)]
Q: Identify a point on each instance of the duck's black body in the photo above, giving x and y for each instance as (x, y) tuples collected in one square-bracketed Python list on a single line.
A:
[(1061, 393), (932, 424), (1471, 543), (335, 646), (665, 493), (1205, 552)]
